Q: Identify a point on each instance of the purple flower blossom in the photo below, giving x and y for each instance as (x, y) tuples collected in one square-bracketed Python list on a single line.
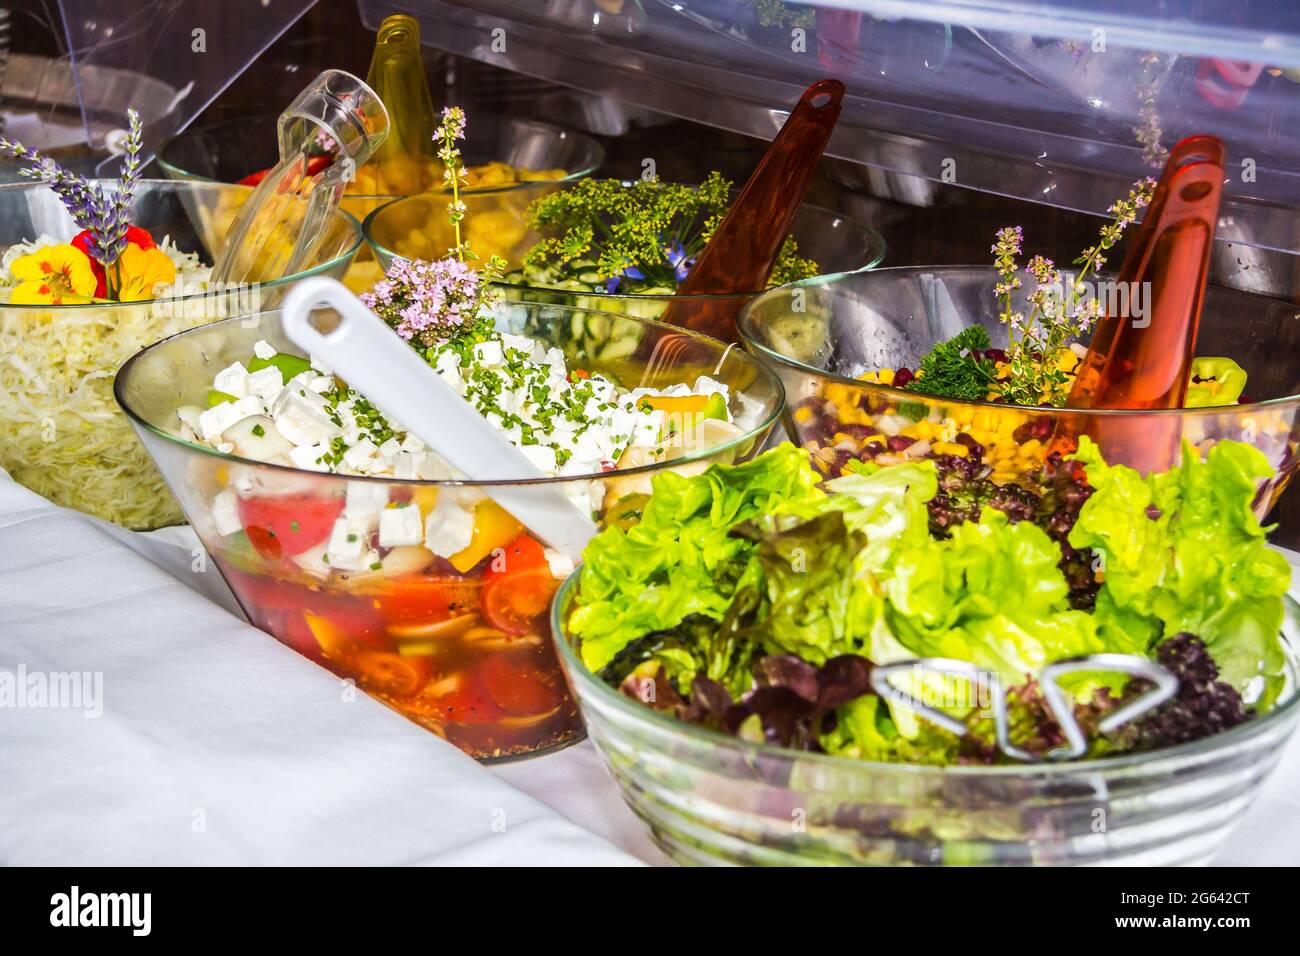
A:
[(426, 301)]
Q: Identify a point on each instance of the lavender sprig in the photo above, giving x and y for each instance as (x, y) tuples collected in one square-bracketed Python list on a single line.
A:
[(105, 219), (113, 243)]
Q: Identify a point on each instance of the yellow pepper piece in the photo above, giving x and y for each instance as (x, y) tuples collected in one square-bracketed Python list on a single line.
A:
[(424, 497), (494, 527), (676, 403)]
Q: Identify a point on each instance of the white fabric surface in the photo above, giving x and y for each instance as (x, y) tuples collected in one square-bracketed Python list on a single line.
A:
[(203, 711), (215, 744)]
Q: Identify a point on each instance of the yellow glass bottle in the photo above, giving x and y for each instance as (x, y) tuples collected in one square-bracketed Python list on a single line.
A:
[(407, 161)]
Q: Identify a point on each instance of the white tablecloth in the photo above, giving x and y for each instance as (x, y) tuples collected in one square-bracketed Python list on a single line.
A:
[(218, 745)]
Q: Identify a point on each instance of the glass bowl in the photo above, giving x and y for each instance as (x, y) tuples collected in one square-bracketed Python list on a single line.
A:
[(465, 653), (713, 799), (229, 151), (417, 227), (821, 334), (61, 434)]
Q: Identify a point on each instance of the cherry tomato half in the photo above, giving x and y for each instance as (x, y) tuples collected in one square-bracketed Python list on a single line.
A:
[(521, 554), (389, 673), (515, 602), (516, 688), (469, 705)]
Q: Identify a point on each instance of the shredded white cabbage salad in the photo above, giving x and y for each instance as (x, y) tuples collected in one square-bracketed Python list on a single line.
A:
[(61, 431)]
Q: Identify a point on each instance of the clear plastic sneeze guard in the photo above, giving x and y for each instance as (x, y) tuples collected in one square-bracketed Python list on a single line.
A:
[(1061, 102), (192, 49)]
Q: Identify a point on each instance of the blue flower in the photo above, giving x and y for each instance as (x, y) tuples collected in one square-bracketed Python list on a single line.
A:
[(679, 260)]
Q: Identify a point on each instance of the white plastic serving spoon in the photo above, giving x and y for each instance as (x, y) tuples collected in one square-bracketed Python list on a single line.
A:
[(380, 365)]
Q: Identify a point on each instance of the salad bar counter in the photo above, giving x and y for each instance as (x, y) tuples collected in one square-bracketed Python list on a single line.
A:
[(838, 558)]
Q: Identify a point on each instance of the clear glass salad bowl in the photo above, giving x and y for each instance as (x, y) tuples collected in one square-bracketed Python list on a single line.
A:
[(713, 799), (417, 227), (61, 434), (229, 151), (822, 334), (462, 648)]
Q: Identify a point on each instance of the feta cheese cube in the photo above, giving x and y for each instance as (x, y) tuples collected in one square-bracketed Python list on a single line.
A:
[(348, 546), (265, 382), (518, 343), (233, 380), (320, 366), (602, 388), (708, 386), (542, 457), (448, 367), (592, 445), (449, 529), (359, 457), (561, 565), (488, 353), (399, 526), (300, 416), (308, 456), (315, 561), (407, 465), (264, 349), (365, 501), (648, 428), (410, 443), (225, 513), (217, 419), (555, 359), (433, 468)]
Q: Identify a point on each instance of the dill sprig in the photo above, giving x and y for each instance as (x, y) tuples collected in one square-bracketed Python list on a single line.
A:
[(647, 230)]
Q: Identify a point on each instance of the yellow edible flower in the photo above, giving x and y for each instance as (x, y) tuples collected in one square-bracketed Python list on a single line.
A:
[(53, 275), (141, 271)]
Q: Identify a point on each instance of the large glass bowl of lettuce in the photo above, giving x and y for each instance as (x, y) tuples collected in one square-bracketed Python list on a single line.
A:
[(722, 649)]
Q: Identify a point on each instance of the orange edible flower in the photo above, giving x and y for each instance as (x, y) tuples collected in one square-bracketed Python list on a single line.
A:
[(141, 271), (53, 275)]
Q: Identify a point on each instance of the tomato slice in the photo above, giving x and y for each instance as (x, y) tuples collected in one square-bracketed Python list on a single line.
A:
[(516, 688), (515, 602), (388, 673), (469, 705), (426, 598), (521, 554), (252, 179), (288, 524)]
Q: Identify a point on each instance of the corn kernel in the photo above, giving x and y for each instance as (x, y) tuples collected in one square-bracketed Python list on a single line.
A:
[(885, 376), (803, 414), (950, 448)]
